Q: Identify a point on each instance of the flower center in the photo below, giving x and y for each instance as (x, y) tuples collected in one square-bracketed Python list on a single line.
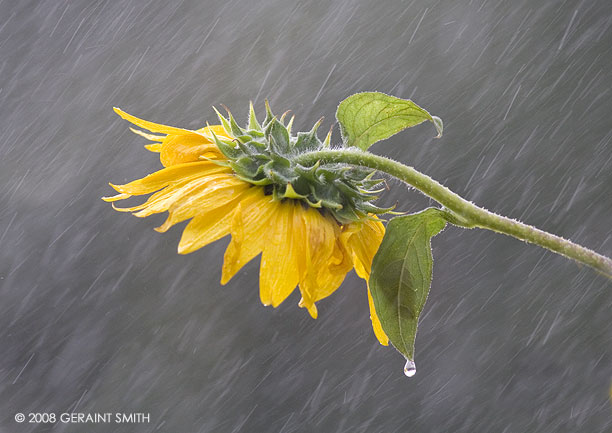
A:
[(264, 154)]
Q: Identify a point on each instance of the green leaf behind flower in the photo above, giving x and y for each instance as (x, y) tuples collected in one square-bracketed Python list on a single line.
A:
[(369, 117), (401, 275)]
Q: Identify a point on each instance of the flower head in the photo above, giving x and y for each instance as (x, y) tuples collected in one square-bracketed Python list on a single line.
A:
[(311, 224)]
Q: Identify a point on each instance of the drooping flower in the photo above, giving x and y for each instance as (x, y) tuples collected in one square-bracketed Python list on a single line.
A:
[(311, 224)]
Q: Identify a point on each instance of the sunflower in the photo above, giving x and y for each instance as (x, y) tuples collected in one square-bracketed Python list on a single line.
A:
[(312, 225)]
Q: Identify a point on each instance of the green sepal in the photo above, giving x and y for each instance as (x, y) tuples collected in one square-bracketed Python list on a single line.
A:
[(220, 163), (245, 166), (227, 148), (244, 147), (244, 139), (368, 184), (255, 133), (350, 191), (306, 142), (290, 124), (283, 116), (308, 172), (348, 214), (315, 127), (371, 208), (260, 182), (291, 193), (327, 141), (330, 204), (269, 114), (277, 135), (401, 275), (253, 123), (280, 161), (278, 172), (317, 204), (237, 131), (224, 122), (370, 191)]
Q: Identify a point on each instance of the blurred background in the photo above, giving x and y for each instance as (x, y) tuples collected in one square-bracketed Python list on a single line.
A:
[(99, 313)]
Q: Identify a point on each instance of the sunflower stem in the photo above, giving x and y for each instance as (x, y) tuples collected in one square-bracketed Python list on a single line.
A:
[(461, 212)]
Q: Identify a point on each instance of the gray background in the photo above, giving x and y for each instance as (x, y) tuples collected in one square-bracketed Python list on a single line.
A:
[(98, 313)]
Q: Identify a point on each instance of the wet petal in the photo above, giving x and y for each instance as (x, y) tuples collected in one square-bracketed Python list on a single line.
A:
[(154, 127), (303, 222), (155, 147), (207, 228), (363, 239), (320, 273), (168, 176), (218, 130), (178, 149), (376, 326), (278, 275), (151, 137), (310, 306), (162, 200), (217, 191), (250, 226), (116, 197)]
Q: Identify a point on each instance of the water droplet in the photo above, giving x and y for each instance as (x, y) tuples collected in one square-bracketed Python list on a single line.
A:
[(410, 368)]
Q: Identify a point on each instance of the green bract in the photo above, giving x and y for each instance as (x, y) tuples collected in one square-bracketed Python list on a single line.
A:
[(264, 154)]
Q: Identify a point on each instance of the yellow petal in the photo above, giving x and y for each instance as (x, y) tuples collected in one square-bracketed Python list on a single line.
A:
[(249, 231), (178, 145), (217, 191), (320, 258), (376, 326), (363, 239), (151, 137), (218, 130), (206, 228), (178, 149), (155, 147), (340, 263), (210, 156), (304, 226), (116, 197), (154, 127), (278, 275), (310, 306), (162, 200), (169, 175)]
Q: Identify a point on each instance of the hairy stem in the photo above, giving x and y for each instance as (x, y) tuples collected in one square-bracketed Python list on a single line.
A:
[(462, 212)]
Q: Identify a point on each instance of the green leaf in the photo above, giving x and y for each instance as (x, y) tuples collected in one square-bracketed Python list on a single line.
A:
[(401, 275), (366, 118)]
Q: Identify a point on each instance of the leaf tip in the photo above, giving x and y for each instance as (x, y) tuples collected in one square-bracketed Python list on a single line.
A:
[(438, 124)]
